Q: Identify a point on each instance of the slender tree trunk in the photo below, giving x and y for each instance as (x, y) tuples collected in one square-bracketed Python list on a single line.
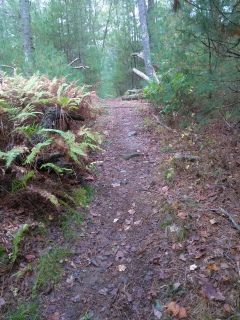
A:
[(145, 38), (28, 49)]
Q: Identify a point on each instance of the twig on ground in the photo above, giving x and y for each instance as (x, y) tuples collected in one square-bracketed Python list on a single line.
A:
[(235, 224), (162, 124)]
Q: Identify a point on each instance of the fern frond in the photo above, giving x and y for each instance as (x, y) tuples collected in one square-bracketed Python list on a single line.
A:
[(26, 113), (55, 167), (11, 155), (36, 149), (61, 89)]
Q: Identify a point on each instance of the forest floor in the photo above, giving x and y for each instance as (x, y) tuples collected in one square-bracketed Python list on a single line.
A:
[(155, 242)]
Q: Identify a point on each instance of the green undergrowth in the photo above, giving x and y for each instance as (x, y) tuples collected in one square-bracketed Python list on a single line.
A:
[(73, 217), (49, 270), (26, 311)]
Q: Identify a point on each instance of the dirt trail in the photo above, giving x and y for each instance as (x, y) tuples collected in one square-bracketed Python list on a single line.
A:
[(151, 246), (110, 275)]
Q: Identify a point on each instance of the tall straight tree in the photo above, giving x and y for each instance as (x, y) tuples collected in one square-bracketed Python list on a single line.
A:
[(28, 48), (145, 38)]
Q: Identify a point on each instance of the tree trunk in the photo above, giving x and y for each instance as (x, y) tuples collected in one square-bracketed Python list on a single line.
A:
[(145, 38), (28, 48)]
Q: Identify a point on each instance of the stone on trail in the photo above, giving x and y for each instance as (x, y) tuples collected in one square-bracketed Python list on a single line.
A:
[(132, 133), (128, 156)]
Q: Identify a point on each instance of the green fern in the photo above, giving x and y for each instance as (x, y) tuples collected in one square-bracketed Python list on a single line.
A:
[(18, 184), (26, 113), (11, 155), (17, 239), (55, 168), (36, 149), (28, 131)]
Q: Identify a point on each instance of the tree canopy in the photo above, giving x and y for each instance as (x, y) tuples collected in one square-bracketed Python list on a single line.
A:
[(193, 46)]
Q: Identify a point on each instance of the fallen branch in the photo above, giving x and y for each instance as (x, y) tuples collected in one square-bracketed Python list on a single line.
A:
[(189, 157), (162, 124), (141, 74), (81, 67), (224, 212), (74, 61)]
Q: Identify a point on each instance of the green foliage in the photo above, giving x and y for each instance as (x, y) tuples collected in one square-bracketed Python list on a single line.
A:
[(56, 168), (36, 150), (49, 270), (82, 196), (11, 155), (26, 311), (18, 184), (16, 241)]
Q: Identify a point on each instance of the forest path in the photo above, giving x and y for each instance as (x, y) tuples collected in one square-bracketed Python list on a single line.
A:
[(111, 275), (150, 246)]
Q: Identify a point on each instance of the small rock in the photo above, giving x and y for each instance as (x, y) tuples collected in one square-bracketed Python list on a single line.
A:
[(132, 133), (76, 298), (94, 262), (128, 156), (103, 291)]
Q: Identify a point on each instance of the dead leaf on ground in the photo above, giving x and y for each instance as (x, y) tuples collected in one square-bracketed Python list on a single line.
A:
[(182, 313), (211, 293), (122, 267), (131, 211), (182, 215), (89, 178), (212, 266), (172, 308), (117, 184), (227, 308), (30, 257)]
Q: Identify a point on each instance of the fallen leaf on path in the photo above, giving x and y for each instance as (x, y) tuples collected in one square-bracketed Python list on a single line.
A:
[(116, 185), (115, 220), (227, 308), (193, 267), (210, 292), (213, 221), (89, 178), (182, 313), (131, 211), (172, 308), (165, 189), (137, 223), (122, 267), (182, 215), (212, 266), (30, 257)]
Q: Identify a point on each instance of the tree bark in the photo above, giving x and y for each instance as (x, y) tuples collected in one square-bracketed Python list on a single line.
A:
[(145, 38), (28, 48)]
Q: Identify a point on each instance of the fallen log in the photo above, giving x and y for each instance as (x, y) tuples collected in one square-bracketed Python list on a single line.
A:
[(141, 74), (136, 96)]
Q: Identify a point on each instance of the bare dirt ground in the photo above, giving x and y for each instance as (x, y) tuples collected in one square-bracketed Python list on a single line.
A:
[(154, 244)]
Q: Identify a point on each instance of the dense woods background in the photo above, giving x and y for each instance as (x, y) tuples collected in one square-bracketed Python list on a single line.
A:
[(194, 48)]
